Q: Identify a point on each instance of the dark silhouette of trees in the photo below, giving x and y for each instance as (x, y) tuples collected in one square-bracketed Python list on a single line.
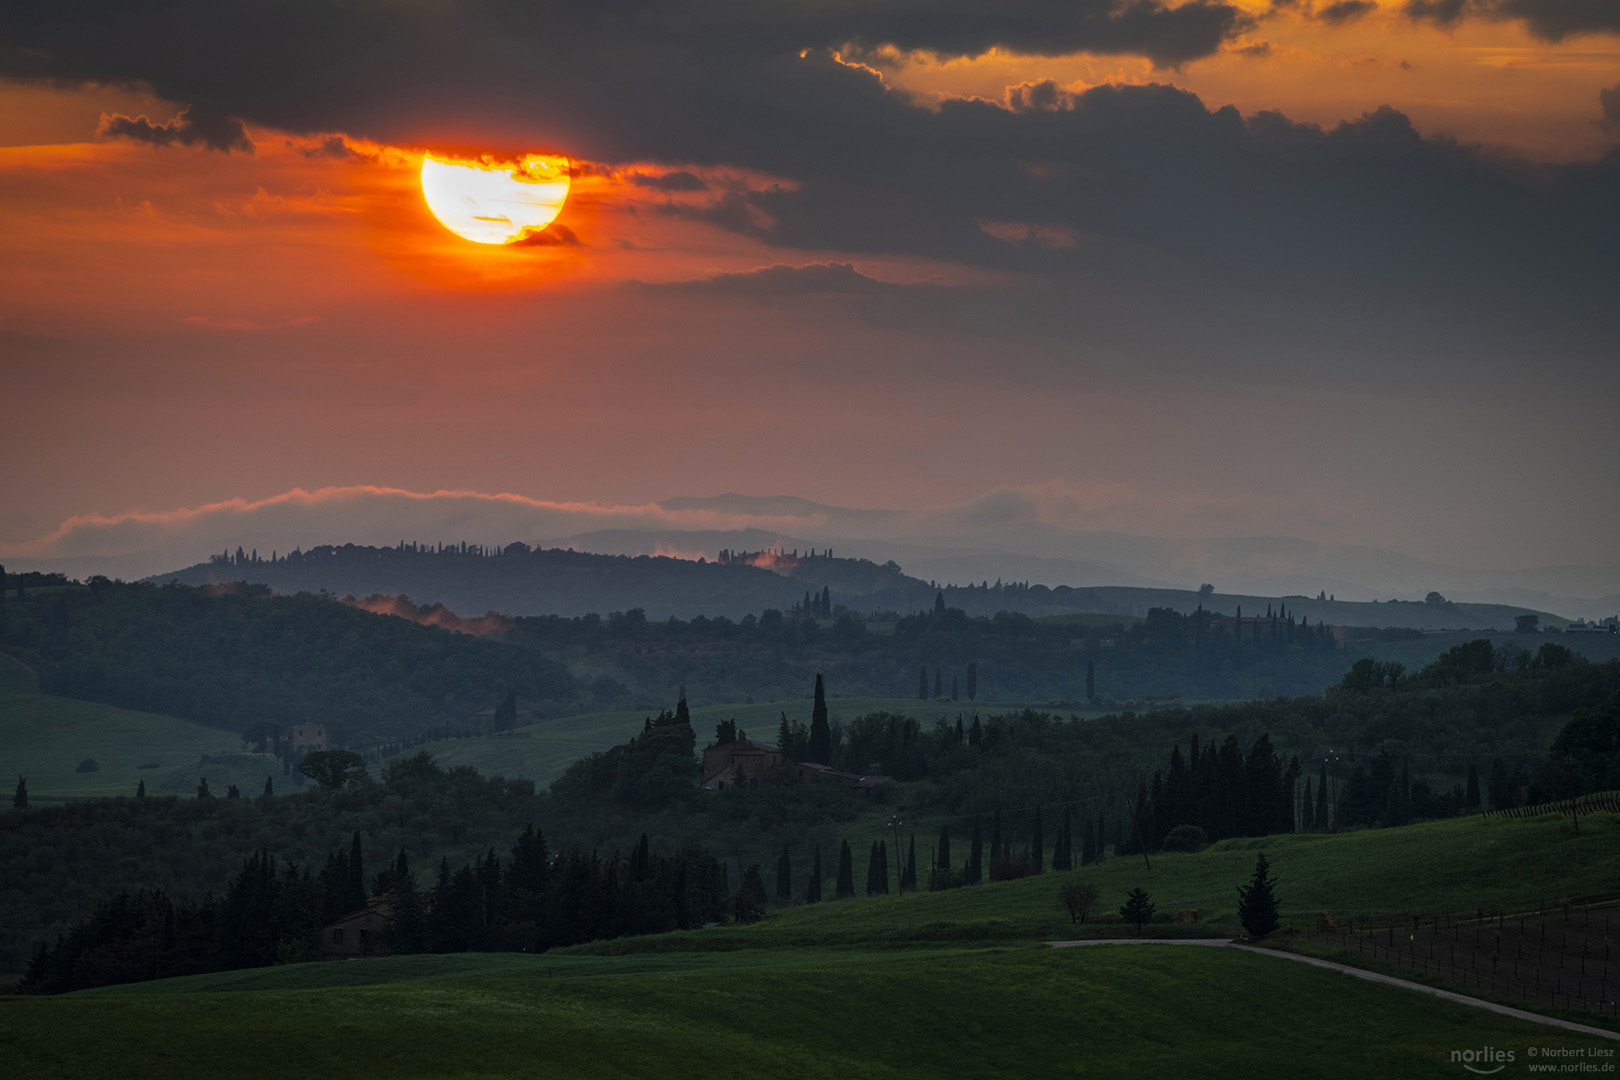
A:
[(1037, 846), (1138, 908), (1063, 850), (812, 887), (846, 872), (784, 876), (333, 768), (1257, 903), (820, 732), (19, 801), (1078, 897)]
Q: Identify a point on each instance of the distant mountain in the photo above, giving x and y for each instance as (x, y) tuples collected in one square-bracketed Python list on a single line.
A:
[(734, 582)]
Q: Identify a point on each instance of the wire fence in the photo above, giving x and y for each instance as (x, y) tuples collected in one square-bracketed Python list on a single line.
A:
[(1584, 804), (1560, 955)]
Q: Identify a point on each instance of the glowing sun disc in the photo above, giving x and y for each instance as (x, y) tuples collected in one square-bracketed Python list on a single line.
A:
[(495, 204)]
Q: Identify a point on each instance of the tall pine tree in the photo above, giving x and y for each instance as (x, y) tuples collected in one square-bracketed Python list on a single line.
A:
[(846, 872), (820, 732), (1037, 844), (784, 876), (812, 888)]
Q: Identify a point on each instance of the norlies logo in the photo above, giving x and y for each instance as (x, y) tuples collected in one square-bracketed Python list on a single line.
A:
[(1484, 1061)]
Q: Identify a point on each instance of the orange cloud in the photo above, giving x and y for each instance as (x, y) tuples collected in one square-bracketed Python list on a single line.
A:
[(1490, 82)]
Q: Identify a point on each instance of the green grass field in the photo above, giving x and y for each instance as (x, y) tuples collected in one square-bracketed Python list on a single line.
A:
[(45, 738), (1459, 865), (1126, 1011)]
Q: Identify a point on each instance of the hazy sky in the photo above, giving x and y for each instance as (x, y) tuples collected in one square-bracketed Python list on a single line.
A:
[(1340, 271)]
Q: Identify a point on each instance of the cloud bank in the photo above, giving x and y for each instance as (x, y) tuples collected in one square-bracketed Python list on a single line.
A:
[(1038, 533)]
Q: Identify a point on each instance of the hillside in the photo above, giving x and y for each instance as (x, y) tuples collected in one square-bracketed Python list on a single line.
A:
[(964, 987), (46, 739), (519, 580), (1122, 1012)]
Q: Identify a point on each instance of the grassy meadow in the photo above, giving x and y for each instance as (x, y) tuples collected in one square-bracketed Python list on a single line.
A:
[(1457, 865), (45, 738), (1107, 1011)]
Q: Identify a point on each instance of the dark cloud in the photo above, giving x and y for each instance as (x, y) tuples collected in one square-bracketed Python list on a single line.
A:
[(1550, 20), (784, 280), (335, 148), (1370, 209), (1045, 94), (553, 235), (1345, 11), (670, 181), (193, 125), (1257, 51), (1610, 101)]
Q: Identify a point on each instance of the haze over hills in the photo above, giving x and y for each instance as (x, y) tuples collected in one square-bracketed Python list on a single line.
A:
[(518, 580), (1011, 534)]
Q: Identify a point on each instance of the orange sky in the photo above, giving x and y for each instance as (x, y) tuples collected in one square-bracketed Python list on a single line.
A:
[(1485, 82), (186, 326)]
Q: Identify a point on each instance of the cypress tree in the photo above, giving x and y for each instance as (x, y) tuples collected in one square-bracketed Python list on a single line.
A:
[(995, 843), (826, 602), (908, 879), (355, 887), (683, 901), (812, 888), (944, 863), (846, 872), (1088, 846), (784, 876), (820, 733), (975, 863), (873, 886), (1471, 798), (1307, 814), (1037, 844), (1322, 811), (883, 866), (140, 789), (922, 685), (1063, 854), (269, 788)]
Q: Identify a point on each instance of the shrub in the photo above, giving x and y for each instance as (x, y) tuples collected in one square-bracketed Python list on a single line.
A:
[(88, 765), (1190, 838), (1078, 897)]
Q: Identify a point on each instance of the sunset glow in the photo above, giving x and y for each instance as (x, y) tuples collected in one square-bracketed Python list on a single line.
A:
[(495, 203)]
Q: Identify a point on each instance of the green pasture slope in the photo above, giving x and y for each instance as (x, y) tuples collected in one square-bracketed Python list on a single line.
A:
[(543, 750), (45, 738), (1122, 1011), (921, 985), (1459, 865)]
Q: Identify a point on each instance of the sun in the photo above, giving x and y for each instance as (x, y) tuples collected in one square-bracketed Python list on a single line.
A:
[(495, 202)]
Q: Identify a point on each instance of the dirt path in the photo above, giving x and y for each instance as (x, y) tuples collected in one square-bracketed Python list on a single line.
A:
[(1370, 976)]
